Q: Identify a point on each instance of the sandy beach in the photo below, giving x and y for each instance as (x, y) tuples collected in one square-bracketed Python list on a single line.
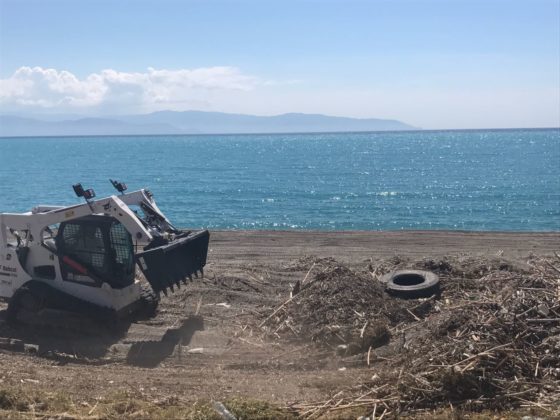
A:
[(225, 352), (270, 246)]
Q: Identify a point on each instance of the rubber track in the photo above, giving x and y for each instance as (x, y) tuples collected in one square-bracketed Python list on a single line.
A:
[(56, 299), (150, 301)]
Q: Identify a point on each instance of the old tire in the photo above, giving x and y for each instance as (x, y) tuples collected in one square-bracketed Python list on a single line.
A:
[(411, 283)]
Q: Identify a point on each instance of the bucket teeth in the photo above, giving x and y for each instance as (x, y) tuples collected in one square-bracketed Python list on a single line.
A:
[(170, 264)]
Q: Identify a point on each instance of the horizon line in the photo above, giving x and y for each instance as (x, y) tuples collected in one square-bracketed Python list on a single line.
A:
[(418, 130)]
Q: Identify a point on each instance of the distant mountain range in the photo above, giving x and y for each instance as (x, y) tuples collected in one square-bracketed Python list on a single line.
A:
[(188, 122)]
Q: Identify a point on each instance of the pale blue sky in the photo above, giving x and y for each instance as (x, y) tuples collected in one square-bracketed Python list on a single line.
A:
[(430, 63)]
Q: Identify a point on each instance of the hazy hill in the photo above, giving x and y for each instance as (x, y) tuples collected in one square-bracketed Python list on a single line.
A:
[(19, 126), (189, 122)]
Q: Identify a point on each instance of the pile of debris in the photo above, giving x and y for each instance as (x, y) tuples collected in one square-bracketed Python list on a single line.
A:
[(494, 343), (490, 341), (337, 306)]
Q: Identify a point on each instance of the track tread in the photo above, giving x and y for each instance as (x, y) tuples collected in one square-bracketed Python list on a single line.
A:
[(52, 298), (14, 304), (150, 302)]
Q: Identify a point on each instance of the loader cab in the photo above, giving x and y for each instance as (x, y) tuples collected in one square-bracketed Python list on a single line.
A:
[(94, 250)]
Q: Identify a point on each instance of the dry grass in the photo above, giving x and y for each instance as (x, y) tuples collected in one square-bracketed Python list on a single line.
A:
[(17, 403)]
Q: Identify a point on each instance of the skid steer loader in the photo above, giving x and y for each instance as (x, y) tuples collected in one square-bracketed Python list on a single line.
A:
[(82, 259)]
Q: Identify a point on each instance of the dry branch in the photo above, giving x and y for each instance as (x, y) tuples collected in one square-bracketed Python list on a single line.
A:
[(491, 341)]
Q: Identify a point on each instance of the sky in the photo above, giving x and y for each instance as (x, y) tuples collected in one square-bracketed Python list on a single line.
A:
[(434, 64)]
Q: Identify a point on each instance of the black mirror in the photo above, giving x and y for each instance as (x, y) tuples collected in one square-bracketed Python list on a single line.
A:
[(78, 189), (80, 192), (119, 186)]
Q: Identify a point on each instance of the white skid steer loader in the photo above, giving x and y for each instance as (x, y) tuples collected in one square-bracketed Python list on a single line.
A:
[(82, 259)]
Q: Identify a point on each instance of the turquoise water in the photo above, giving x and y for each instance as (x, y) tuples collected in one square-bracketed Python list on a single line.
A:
[(468, 180)]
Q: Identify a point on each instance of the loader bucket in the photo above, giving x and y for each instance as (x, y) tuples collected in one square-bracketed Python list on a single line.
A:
[(168, 265)]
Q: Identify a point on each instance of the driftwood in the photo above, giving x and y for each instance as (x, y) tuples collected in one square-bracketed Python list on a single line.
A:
[(490, 341)]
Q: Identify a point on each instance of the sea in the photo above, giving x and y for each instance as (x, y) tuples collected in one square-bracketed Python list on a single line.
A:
[(479, 180)]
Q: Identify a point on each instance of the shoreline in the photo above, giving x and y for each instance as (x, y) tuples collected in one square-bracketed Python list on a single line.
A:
[(419, 130), (365, 231)]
